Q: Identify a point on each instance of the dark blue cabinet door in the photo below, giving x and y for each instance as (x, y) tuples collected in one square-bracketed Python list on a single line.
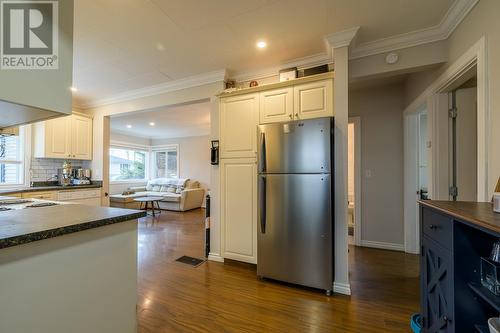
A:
[(437, 288)]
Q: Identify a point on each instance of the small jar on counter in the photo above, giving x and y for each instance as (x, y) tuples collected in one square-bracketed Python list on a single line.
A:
[(496, 202)]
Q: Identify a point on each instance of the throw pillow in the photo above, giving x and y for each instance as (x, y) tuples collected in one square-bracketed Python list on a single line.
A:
[(179, 189), (171, 189), (156, 188), (149, 187)]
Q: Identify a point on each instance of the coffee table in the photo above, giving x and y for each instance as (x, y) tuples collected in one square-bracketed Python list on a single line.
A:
[(149, 203)]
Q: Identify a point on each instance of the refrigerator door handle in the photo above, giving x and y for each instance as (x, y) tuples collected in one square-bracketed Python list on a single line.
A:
[(262, 204), (263, 162)]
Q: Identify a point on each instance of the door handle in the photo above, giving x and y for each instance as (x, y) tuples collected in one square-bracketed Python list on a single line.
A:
[(263, 157), (262, 204)]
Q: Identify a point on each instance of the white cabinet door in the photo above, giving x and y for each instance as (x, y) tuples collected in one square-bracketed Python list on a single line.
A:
[(239, 209), (313, 100), (65, 138), (238, 126), (276, 105), (81, 137), (58, 138)]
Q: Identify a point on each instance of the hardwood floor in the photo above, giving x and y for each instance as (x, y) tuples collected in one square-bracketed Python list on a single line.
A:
[(215, 297)]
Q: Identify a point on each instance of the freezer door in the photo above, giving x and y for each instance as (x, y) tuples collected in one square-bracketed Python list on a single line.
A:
[(295, 229), (295, 147)]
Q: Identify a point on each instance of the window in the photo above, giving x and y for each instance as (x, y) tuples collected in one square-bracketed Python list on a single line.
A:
[(12, 159), (166, 162), (127, 164)]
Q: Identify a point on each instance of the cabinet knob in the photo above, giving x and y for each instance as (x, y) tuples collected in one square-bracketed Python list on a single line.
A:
[(290, 116), (433, 226), (296, 115)]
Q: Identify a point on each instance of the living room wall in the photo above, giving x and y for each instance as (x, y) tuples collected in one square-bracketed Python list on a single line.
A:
[(194, 156)]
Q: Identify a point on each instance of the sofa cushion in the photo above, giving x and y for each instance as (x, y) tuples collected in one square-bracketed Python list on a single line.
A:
[(192, 184), (171, 197), (168, 181)]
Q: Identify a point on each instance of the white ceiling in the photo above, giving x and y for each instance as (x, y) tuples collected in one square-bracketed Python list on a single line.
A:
[(122, 45), (173, 122)]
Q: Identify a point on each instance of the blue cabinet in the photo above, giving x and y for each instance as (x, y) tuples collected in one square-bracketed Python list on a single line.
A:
[(452, 244), (437, 287)]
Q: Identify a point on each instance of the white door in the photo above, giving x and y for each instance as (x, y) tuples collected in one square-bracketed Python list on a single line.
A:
[(239, 209), (416, 153), (81, 137), (313, 100), (238, 126), (276, 105), (57, 138)]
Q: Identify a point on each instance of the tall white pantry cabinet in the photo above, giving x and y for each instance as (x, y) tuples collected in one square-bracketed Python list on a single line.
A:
[(239, 114)]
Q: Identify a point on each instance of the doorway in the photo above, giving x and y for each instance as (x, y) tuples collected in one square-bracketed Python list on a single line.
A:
[(354, 181), (417, 171), (468, 71)]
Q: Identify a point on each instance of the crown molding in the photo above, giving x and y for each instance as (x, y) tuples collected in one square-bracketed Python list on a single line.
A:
[(455, 14), (342, 38), (188, 82)]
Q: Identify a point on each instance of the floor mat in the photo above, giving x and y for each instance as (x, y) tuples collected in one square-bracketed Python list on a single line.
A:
[(195, 262)]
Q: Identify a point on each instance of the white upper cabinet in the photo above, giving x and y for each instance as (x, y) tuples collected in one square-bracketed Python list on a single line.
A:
[(81, 137), (65, 137), (276, 105), (313, 100), (238, 126), (57, 141)]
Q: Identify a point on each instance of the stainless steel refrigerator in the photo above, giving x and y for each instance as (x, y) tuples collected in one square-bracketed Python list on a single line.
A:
[(295, 206)]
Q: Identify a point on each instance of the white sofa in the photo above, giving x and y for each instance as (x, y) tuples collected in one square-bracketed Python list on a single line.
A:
[(178, 194)]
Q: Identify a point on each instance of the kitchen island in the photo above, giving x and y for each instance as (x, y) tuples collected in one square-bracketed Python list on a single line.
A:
[(68, 268)]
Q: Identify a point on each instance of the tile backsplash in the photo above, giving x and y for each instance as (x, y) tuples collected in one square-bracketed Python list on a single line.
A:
[(43, 169)]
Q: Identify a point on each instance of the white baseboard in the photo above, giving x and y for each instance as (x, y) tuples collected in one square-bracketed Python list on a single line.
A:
[(383, 245), (215, 257), (342, 288)]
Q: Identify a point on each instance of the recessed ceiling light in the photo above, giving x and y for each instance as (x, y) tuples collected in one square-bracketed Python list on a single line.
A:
[(129, 126), (151, 124), (160, 47), (261, 44), (73, 89)]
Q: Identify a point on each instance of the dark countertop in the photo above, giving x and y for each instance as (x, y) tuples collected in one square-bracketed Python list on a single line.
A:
[(476, 213), (47, 188), (29, 225)]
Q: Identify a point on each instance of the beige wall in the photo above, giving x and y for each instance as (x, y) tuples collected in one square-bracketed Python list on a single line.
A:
[(381, 112), (194, 153), (481, 21), (417, 83)]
